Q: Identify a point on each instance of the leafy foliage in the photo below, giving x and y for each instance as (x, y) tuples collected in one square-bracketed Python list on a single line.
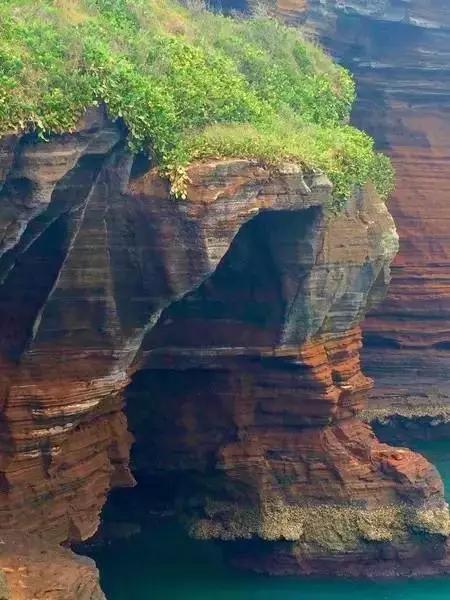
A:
[(187, 83)]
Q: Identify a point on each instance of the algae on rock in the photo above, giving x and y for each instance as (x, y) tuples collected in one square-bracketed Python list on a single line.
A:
[(322, 528)]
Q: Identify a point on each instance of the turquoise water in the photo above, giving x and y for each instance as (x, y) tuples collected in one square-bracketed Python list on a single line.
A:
[(161, 563)]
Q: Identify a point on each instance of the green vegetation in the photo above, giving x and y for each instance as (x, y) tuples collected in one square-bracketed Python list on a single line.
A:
[(187, 83)]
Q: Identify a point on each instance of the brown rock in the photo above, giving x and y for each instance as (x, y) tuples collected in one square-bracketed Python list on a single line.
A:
[(239, 307), (33, 569), (399, 54)]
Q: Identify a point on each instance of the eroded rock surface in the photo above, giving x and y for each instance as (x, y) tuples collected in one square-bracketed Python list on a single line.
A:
[(247, 403), (32, 568), (399, 53), (235, 314)]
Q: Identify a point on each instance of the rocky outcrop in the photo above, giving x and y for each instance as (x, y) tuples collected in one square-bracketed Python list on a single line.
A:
[(82, 285), (247, 399), (271, 450), (32, 568), (399, 54), (234, 315)]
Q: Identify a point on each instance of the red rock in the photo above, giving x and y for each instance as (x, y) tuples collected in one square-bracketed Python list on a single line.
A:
[(240, 306), (399, 54)]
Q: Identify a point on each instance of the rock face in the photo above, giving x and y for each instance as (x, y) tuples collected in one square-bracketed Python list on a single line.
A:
[(247, 399), (235, 315), (32, 568), (399, 53)]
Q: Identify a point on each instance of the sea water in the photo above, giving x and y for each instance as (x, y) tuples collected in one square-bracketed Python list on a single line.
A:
[(162, 563)]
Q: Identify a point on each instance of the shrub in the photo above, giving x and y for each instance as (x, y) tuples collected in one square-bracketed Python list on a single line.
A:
[(188, 84)]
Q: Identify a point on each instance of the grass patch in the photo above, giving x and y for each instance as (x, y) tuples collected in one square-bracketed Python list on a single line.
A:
[(188, 84)]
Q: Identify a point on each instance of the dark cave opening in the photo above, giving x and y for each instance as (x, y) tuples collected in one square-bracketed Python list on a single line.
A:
[(182, 404)]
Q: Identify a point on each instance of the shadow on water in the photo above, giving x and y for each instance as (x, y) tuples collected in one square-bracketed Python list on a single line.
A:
[(162, 563)]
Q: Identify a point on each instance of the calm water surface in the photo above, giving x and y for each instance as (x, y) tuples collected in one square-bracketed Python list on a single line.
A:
[(162, 564)]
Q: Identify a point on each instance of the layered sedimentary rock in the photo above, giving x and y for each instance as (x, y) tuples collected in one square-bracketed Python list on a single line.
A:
[(270, 451), (399, 53), (235, 313), (247, 399)]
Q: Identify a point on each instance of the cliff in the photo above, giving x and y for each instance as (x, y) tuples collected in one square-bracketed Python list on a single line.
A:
[(399, 54), (34, 568), (236, 314), (246, 403), (214, 300)]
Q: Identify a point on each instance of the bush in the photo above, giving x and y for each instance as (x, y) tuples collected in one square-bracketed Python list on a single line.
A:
[(187, 83)]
